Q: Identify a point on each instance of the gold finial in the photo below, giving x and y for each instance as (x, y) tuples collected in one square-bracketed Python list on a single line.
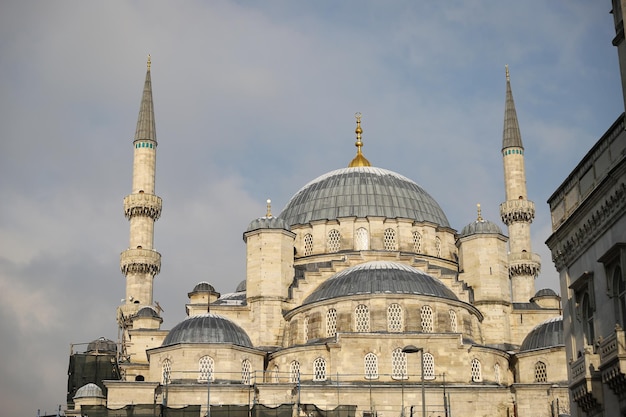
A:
[(149, 62), (359, 160), (269, 208), (508, 76), (480, 217)]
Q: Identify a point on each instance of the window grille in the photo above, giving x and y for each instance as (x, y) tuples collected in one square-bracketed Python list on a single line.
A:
[(496, 371), (305, 329), (398, 364), (245, 372), (541, 372), (308, 244), (361, 239), (371, 366), (619, 288), (334, 241), (166, 368), (362, 318), (395, 320), (319, 369), (429, 366), (438, 246), (453, 322), (205, 365), (476, 371), (294, 372), (427, 319), (389, 240), (331, 323), (417, 242), (587, 311), (276, 374)]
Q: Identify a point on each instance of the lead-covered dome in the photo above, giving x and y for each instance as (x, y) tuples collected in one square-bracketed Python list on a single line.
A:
[(361, 192), (480, 226), (544, 335), (89, 390), (102, 345), (207, 328), (380, 277)]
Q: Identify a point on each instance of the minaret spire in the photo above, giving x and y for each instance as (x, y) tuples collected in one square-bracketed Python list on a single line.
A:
[(517, 212), (140, 262)]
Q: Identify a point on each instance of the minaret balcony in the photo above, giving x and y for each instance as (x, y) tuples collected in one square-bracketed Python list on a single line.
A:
[(524, 263), (142, 261), (142, 204), (512, 211), (585, 383), (613, 361)]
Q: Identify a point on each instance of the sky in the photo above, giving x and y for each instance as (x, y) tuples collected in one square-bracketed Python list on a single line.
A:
[(252, 101)]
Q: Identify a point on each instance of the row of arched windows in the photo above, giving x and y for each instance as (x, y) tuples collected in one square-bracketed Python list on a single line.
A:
[(395, 320), (206, 370), (362, 241)]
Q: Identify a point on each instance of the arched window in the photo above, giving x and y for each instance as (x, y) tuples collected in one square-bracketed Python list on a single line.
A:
[(371, 366), (319, 369), (417, 242), (308, 244), (398, 364), (477, 375), (294, 372), (453, 322), (362, 318), (619, 290), (438, 247), (587, 318), (395, 319), (389, 240), (429, 366), (331, 323), (426, 315), (276, 374), (305, 329), (245, 371), (496, 372), (334, 241), (205, 367), (361, 239), (541, 372), (166, 371)]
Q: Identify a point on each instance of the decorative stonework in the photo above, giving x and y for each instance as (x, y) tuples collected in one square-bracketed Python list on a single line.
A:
[(513, 211), (142, 261), (613, 361), (141, 204), (524, 263)]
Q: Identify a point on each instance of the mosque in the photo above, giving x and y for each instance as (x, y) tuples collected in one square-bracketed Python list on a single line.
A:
[(360, 299)]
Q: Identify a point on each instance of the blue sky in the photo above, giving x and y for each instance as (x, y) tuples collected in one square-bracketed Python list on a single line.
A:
[(252, 101)]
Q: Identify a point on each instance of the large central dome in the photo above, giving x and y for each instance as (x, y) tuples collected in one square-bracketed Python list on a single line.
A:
[(361, 192)]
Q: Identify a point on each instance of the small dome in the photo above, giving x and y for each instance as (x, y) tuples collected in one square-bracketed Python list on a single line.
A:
[(102, 345), (90, 390), (480, 227), (241, 287), (147, 311), (380, 277), (361, 192), (545, 292), (207, 328), (267, 223), (544, 335), (203, 287)]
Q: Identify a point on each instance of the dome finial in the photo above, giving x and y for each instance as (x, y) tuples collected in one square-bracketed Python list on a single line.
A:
[(480, 216), (359, 160), (149, 63), (269, 209)]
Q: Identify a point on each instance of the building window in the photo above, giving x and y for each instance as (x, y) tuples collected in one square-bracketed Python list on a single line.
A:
[(389, 240), (334, 241), (453, 322), (205, 365), (438, 247), (361, 239), (331, 323), (371, 366), (426, 315), (476, 371), (587, 319), (276, 374), (319, 369), (429, 366), (166, 371), (245, 372), (541, 373), (294, 372), (305, 330), (395, 320), (398, 364), (362, 318), (619, 291), (496, 373), (417, 242), (308, 244)]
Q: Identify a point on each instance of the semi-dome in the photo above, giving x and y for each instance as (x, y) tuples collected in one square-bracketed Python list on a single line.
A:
[(207, 328), (544, 335), (90, 390), (380, 277), (241, 287), (480, 227), (545, 292), (362, 191), (102, 345)]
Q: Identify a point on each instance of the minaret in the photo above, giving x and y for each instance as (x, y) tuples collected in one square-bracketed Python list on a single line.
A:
[(140, 262), (517, 211)]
